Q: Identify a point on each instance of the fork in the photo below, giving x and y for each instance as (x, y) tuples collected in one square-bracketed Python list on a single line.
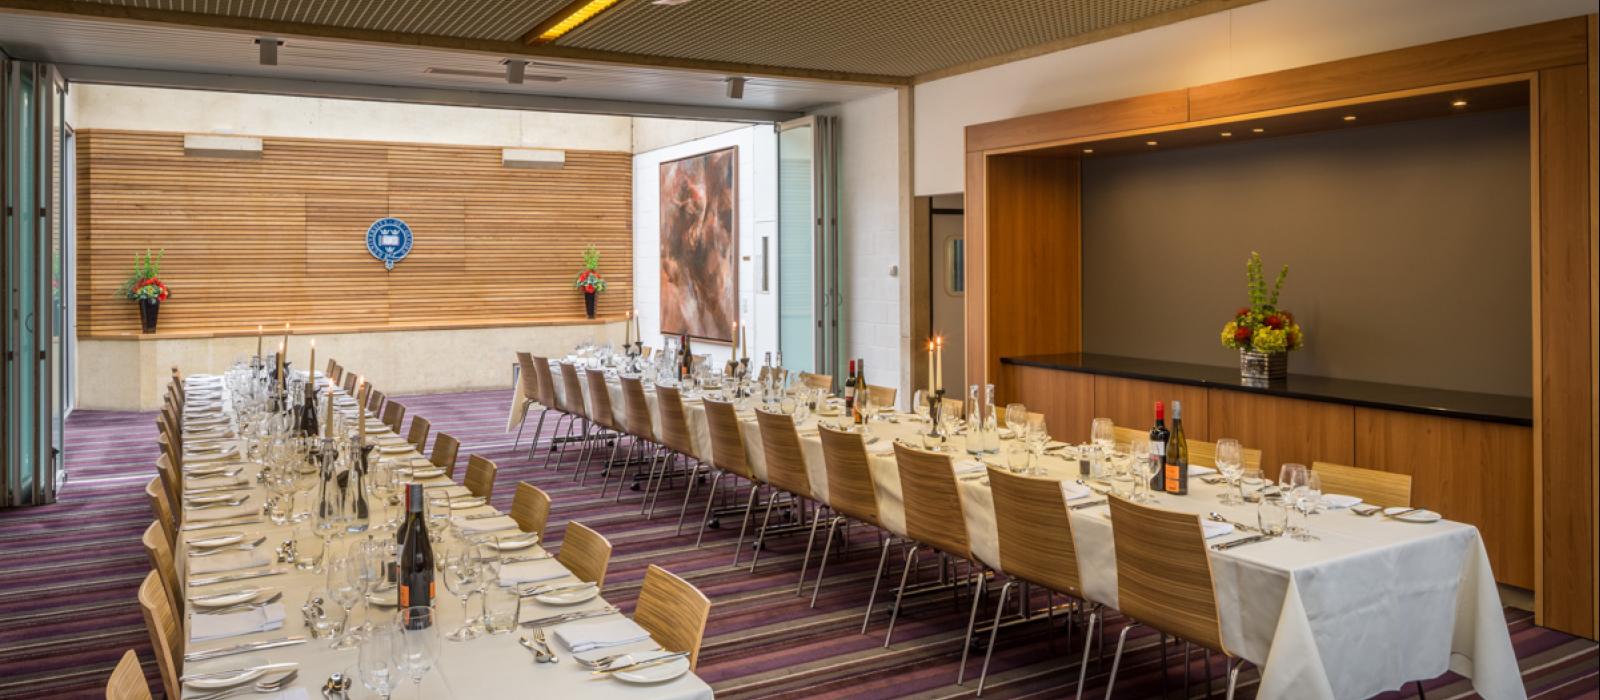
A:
[(609, 659), (241, 607), (261, 686)]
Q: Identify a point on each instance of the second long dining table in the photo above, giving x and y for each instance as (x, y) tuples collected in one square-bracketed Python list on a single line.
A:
[(1372, 604), (490, 666)]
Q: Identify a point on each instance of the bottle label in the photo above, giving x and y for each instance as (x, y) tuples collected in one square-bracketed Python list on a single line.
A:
[(1173, 481)]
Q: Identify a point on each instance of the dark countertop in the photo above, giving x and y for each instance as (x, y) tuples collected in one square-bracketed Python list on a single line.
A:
[(1515, 410)]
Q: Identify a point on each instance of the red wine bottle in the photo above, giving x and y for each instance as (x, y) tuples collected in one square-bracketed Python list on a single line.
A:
[(1177, 468), (1158, 449), (850, 391), (416, 560)]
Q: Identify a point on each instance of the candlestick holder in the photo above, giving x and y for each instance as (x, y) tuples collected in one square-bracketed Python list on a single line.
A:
[(935, 406)]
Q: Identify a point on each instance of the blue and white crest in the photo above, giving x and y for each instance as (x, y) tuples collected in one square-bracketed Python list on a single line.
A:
[(389, 240)]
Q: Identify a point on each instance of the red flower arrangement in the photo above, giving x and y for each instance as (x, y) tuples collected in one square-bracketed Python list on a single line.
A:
[(589, 280), (145, 283)]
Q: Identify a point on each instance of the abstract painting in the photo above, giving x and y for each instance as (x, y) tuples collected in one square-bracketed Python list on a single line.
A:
[(700, 245)]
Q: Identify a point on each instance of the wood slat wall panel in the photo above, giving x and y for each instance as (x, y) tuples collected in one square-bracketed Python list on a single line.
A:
[(282, 239)]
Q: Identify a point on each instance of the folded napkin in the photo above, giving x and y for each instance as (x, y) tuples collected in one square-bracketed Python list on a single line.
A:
[(204, 627), (970, 466), (230, 561), (599, 635), (195, 483), (531, 572), (206, 514), (503, 522), (1215, 529), (1197, 470), (881, 447), (229, 454), (1336, 501), (1072, 490)]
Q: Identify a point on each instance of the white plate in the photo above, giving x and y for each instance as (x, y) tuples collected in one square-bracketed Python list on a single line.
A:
[(572, 597), (514, 545), (1421, 516), (223, 600), (247, 674), (393, 449), (221, 539), (427, 473), (655, 674)]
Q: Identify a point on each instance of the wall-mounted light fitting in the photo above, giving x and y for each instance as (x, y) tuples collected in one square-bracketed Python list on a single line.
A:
[(514, 70), (533, 158), (269, 50), (222, 146), (1151, 143), (1087, 151), (735, 88)]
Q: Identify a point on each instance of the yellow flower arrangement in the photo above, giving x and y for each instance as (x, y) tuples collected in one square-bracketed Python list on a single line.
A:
[(1262, 326)]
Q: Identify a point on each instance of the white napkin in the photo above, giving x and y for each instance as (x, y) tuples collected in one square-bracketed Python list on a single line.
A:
[(1197, 470), (881, 447), (228, 562), (196, 483), (599, 635), (531, 572), (503, 522), (1072, 490), (204, 627), (229, 454), (1336, 501), (1215, 529), (970, 466), (206, 514)]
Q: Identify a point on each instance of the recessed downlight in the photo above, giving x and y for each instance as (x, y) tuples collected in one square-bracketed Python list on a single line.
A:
[(1458, 103), (1349, 117), (1087, 151), (1151, 143), (1257, 130), (1226, 134)]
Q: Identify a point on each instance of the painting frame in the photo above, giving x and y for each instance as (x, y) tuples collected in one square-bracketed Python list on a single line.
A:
[(699, 263)]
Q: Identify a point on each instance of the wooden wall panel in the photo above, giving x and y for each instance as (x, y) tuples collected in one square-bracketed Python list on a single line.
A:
[(1065, 398), (1285, 430), (1140, 112), (282, 238), (1474, 472), (1130, 403), (1032, 252)]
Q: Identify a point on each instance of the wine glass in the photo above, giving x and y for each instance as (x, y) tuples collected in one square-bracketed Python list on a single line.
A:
[(1292, 480), (345, 588), (1016, 419), (1307, 495), (1251, 482), (1038, 435), (864, 403), (1230, 462), (419, 637), (919, 404), (461, 576), (379, 659), (1141, 469), (1103, 433)]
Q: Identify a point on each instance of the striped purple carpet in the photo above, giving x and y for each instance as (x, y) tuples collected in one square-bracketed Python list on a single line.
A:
[(67, 606)]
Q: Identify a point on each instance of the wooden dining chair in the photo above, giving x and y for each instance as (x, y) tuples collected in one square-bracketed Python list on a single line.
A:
[(603, 418), (418, 435), (159, 550), (1164, 581), (528, 393), (851, 494), (445, 448), (586, 553), (127, 680), (349, 383), (1380, 488), (728, 455), (573, 403), (935, 520), (816, 381), (674, 435), (172, 483), (546, 386), (530, 507), (165, 640), (951, 407), (480, 476), (673, 611), (162, 509), (1036, 547), (375, 401), (786, 472), (638, 423), (883, 396), (394, 415)]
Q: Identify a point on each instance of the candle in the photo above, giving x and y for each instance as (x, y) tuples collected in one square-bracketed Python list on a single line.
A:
[(260, 330), (735, 352), (744, 349), (361, 412), (938, 365), (280, 365), (627, 330), (327, 430), (930, 366), (311, 366)]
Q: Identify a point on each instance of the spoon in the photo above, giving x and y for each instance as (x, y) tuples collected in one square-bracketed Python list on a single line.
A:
[(1216, 517), (541, 651), (265, 685)]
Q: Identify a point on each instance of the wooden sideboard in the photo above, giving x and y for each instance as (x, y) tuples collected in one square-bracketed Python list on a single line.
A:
[(1470, 456)]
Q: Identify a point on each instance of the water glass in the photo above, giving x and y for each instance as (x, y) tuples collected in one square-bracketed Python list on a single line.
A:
[(379, 658), (1103, 434), (461, 577), (345, 589), (1017, 458), (323, 618), (1016, 419), (500, 609), (308, 548), (1251, 482), (1272, 516), (1230, 463), (419, 636)]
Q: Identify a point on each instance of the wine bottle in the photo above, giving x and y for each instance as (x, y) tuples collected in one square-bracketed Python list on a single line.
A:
[(308, 412), (1177, 468), (861, 389), (850, 391), (416, 560), (1158, 449), (686, 362)]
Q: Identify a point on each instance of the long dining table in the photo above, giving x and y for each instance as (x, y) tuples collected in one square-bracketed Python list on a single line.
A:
[(490, 666), (1370, 605)]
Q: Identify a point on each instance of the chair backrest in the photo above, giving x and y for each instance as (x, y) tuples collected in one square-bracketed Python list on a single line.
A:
[(162, 623), (850, 489), (1370, 485), (546, 383), (480, 476), (674, 424), (636, 408), (951, 407), (572, 391), (375, 401), (585, 553), (159, 550), (673, 612), (127, 680), (530, 507), (527, 377), (335, 372), (817, 381), (600, 399), (348, 383), (727, 443), (883, 396), (172, 483), (394, 415), (1200, 452), (1035, 531), (932, 500), (444, 453), (1163, 572), (778, 374), (780, 444), (161, 508), (418, 435)]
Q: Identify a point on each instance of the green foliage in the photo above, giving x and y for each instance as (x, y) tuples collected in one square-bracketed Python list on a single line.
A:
[(146, 268), (591, 257)]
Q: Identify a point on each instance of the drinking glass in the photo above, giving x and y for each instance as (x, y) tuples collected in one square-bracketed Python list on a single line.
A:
[(379, 658), (308, 548), (919, 404), (1272, 517), (419, 636), (800, 412), (1103, 434), (1038, 435), (344, 587), (1140, 468), (1123, 480), (1292, 480), (864, 402), (461, 576), (1016, 419), (1230, 462), (500, 609), (1307, 494), (322, 617), (1017, 457), (1251, 481)]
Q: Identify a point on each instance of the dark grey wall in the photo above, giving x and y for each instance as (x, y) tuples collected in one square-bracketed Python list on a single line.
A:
[(1407, 245)]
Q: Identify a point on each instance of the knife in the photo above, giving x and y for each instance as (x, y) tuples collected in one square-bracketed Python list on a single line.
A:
[(659, 660), (209, 524), (570, 617), (234, 577), (264, 668), (1239, 542), (519, 560), (557, 589), (1090, 504), (1402, 513), (242, 648)]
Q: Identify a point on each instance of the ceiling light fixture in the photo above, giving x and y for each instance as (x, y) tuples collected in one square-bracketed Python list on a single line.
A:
[(1087, 151), (269, 50), (1150, 143), (514, 70), (735, 88), (567, 19), (1257, 130), (1458, 103), (1349, 117), (1226, 134)]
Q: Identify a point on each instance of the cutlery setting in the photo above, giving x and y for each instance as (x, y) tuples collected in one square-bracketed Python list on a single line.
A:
[(242, 607), (242, 648), (546, 590), (657, 661), (265, 685), (571, 617), (1224, 546)]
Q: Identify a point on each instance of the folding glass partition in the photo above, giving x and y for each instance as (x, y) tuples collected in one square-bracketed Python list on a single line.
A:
[(808, 246)]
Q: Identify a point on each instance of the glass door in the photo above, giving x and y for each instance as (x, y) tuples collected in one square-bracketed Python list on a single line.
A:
[(808, 246)]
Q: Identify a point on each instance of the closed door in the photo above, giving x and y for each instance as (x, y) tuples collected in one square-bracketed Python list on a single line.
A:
[(947, 246)]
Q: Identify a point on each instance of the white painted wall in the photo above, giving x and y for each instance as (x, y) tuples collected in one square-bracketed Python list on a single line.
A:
[(758, 216), (1248, 40), (650, 133)]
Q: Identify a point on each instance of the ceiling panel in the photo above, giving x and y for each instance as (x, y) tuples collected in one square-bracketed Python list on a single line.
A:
[(469, 19)]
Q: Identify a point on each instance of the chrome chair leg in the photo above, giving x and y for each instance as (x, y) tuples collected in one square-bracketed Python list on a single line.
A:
[(523, 424), (538, 431), (555, 431), (980, 590), (883, 560), (711, 499), (684, 511), (827, 547), (1088, 641), (771, 499), (994, 633), (749, 507), (811, 540), (688, 486), (656, 481), (1116, 659), (1233, 676), (911, 563)]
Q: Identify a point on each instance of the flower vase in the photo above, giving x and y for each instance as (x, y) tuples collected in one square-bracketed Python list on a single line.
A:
[(148, 308), (588, 304), (1259, 368)]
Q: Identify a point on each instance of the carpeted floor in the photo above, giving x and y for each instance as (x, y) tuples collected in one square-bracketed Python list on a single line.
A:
[(67, 607)]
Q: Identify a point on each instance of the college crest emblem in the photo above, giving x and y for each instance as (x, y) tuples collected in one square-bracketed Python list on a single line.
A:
[(389, 240)]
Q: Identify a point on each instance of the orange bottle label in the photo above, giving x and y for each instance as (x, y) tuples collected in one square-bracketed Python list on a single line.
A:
[(1172, 478), (405, 597)]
